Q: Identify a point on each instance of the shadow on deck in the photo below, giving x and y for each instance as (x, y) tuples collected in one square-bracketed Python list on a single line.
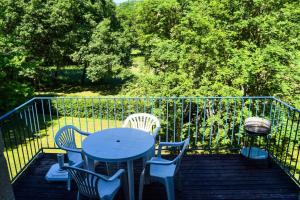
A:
[(204, 177)]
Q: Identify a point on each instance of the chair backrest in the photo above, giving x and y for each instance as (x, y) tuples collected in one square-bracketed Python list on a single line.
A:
[(87, 181), (142, 121), (181, 153), (65, 138)]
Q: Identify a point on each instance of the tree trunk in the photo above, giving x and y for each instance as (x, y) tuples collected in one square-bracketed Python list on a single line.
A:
[(83, 74), (6, 191)]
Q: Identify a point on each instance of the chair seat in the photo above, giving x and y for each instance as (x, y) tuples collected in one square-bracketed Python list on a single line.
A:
[(108, 188), (162, 171), (75, 159)]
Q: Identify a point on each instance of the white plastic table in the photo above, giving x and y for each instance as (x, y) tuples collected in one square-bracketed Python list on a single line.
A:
[(118, 145)]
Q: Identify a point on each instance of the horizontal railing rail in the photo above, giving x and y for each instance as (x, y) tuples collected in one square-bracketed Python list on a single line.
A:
[(213, 124)]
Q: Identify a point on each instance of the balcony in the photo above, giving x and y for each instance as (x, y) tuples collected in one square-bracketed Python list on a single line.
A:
[(212, 169)]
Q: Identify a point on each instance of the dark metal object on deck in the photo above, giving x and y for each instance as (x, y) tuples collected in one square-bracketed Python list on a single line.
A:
[(255, 127)]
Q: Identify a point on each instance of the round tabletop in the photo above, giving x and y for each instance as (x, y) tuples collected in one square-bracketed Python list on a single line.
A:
[(117, 144)]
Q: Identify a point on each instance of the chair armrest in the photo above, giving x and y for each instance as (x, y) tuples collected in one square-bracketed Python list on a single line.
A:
[(81, 132), (168, 144), (155, 132), (119, 173), (152, 162), (70, 149)]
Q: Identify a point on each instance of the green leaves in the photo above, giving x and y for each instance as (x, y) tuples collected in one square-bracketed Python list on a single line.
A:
[(108, 52), (224, 47)]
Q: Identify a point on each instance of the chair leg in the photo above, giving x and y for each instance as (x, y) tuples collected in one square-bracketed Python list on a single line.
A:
[(78, 195), (125, 186), (141, 186), (169, 183), (69, 182)]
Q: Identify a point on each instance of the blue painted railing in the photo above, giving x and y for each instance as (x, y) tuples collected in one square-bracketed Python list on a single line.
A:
[(214, 124)]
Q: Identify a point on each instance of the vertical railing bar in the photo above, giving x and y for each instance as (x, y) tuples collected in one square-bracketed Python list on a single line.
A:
[(271, 108), (26, 130), (57, 113), (204, 120), (29, 117), (241, 119), (122, 110), (107, 112), (197, 120), (174, 120), (145, 102), (136, 105), (36, 138), (51, 120), (17, 147), (212, 121), (85, 115), (167, 116), (256, 107), (285, 130), (152, 107), (281, 128), (128, 107), (93, 115), (249, 109), (44, 120), (71, 109), (33, 119), (294, 142), (78, 114), (226, 119), (273, 118), (264, 109), (20, 140), (38, 125), (100, 113), (219, 115), (21, 130), (115, 115), (289, 138), (280, 131), (233, 124), (190, 110), (181, 121), (160, 116), (272, 124), (13, 153), (64, 106)]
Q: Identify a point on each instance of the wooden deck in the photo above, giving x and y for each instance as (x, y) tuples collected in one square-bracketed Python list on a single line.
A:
[(204, 177)]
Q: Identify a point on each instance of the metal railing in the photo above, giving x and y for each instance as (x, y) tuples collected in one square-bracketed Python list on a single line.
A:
[(214, 124)]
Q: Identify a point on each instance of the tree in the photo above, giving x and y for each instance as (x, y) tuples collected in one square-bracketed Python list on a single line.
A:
[(226, 48), (108, 52)]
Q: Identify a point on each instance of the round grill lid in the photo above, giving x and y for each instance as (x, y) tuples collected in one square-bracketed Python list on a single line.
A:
[(257, 125)]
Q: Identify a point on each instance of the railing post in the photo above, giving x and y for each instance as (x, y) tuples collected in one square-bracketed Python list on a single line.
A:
[(6, 191)]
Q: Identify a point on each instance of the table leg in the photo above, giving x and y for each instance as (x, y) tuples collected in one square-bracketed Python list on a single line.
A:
[(130, 179), (91, 164)]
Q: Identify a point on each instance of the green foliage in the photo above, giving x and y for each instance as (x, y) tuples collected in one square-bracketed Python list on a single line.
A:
[(15, 74), (226, 48), (108, 52)]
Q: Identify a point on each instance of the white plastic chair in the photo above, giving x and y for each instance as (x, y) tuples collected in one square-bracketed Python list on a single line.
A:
[(162, 170), (65, 139), (143, 121), (93, 185)]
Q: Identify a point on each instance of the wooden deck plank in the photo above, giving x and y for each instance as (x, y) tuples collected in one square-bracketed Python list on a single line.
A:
[(204, 177)]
